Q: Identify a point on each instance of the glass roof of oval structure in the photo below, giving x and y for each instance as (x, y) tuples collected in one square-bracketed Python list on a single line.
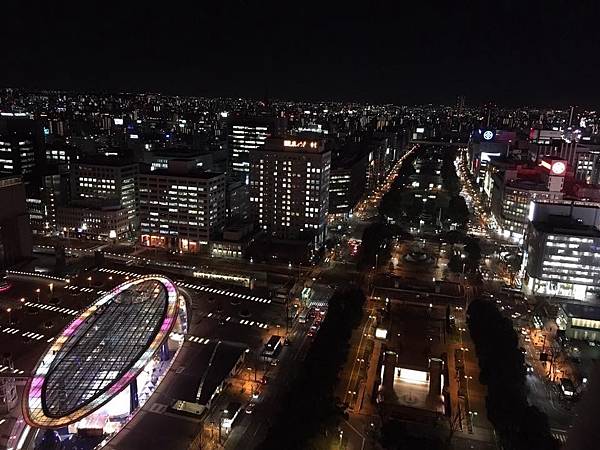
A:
[(101, 351)]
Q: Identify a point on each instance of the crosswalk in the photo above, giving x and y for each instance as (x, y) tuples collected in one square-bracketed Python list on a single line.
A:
[(197, 340), (560, 435), (46, 307), (83, 289), (249, 323), (211, 290), (197, 287), (7, 370), (118, 272), (25, 334)]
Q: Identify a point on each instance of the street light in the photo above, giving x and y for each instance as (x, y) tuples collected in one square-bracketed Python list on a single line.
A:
[(37, 291), (89, 281), (8, 310), (51, 286)]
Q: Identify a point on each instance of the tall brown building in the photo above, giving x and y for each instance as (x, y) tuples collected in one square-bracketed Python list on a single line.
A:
[(289, 188)]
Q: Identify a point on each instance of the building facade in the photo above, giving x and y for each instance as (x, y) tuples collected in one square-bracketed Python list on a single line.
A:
[(103, 223), (15, 231), (249, 133), (346, 185), (289, 188), (562, 246), (183, 212), (101, 182)]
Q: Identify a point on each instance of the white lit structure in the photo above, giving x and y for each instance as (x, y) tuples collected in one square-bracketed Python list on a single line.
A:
[(108, 361), (511, 187), (246, 134), (562, 249), (102, 182)]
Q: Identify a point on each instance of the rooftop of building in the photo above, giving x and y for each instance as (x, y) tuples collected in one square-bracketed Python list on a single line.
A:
[(181, 152), (581, 311), (206, 367), (194, 173), (122, 330), (110, 161), (295, 144), (527, 185), (566, 225)]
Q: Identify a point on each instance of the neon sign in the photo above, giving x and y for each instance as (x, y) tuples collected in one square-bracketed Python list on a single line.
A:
[(299, 144)]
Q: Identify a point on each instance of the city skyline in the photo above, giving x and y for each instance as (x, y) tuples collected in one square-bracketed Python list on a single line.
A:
[(505, 53), (315, 225)]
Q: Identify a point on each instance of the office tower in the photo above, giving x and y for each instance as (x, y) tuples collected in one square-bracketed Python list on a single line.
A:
[(561, 248), (181, 208), (102, 181), (510, 187), (248, 133), (346, 184), (15, 231), (289, 188), (21, 145)]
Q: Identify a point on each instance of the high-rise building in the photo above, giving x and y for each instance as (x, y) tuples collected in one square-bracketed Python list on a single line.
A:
[(181, 209), (15, 232), (248, 133), (20, 145), (105, 181), (561, 249), (347, 184), (511, 186), (289, 188)]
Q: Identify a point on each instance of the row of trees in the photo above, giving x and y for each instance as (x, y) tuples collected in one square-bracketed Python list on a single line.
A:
[(309, 408), (519, 425), (376, 244), (471, 262), (450, 181)]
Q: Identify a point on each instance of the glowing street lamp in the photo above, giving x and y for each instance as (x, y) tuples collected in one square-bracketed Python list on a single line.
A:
[(8, 310), (37, 291)]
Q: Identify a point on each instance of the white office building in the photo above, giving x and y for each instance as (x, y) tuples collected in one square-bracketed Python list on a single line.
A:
[(562, 249)]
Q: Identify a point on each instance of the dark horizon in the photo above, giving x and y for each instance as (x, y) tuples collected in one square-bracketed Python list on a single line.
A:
[(505, 53)]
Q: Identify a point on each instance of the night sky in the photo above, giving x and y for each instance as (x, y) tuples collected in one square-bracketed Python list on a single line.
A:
[(542, 53)]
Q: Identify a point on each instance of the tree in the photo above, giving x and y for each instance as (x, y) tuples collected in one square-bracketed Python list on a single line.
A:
[(413, 207), (518, 424), (455, 263), (457, 211), (391, 205), (308, 406)]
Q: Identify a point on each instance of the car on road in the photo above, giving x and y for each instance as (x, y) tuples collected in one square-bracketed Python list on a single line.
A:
[(250, 408)]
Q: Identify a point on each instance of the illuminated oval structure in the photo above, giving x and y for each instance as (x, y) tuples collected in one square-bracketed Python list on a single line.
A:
[(101, 352)]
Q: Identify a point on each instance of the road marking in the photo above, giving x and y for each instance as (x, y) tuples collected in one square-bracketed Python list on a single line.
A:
[(4, 368), (560, 435), (26, 334), (52, 308), (197, 340)]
